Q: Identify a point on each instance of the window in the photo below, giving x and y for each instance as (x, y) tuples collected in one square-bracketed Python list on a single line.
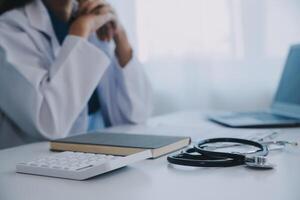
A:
[(212, 54), (193, 28)]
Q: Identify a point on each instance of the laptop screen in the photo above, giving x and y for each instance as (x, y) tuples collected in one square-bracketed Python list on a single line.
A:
[(289, 88)]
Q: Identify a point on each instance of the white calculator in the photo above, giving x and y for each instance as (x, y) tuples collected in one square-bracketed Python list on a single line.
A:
[(78, 166)]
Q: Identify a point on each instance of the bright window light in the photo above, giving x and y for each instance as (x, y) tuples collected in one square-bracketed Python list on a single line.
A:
[(190, 28)]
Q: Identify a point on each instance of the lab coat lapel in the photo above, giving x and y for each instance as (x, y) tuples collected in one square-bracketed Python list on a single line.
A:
[(39, 19)]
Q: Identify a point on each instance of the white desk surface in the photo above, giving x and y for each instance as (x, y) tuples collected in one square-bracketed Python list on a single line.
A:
[(156, 179)]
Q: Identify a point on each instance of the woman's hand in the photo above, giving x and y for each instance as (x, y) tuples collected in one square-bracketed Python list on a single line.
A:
[(92, 16), (109, 26)]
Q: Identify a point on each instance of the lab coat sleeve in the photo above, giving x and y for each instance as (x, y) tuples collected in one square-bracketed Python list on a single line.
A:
[(46, 102), (126, 94), (134, 92)]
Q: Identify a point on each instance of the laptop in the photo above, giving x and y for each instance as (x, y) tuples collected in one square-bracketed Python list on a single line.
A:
[(285, 109)]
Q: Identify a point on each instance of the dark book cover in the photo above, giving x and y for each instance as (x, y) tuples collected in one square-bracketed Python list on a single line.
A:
[(122, 140)]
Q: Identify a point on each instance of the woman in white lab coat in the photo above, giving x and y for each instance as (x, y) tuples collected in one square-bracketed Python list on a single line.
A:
[(54, 54)]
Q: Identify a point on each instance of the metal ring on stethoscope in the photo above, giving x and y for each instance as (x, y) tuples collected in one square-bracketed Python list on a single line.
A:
[(198, 156)]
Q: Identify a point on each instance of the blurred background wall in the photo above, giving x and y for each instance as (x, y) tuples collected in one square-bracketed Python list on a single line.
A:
[(211, 54)]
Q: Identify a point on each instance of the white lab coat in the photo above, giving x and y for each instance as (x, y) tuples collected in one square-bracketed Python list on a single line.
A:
[(45, 87)]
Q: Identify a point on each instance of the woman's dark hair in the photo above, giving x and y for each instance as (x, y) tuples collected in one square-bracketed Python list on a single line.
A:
[(6, 5)]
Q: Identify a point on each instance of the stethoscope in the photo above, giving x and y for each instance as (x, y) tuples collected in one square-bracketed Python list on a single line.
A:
[(201, 155)]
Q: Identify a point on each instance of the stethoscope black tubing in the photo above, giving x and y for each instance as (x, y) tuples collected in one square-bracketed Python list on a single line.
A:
[(204, 162), (263, 150), (206, 158)]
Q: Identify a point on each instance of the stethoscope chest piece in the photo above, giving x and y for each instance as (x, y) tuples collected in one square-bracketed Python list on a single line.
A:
[(258, 162)]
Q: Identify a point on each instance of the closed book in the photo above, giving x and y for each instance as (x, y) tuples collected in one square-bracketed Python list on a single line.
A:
[(120, 144)]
